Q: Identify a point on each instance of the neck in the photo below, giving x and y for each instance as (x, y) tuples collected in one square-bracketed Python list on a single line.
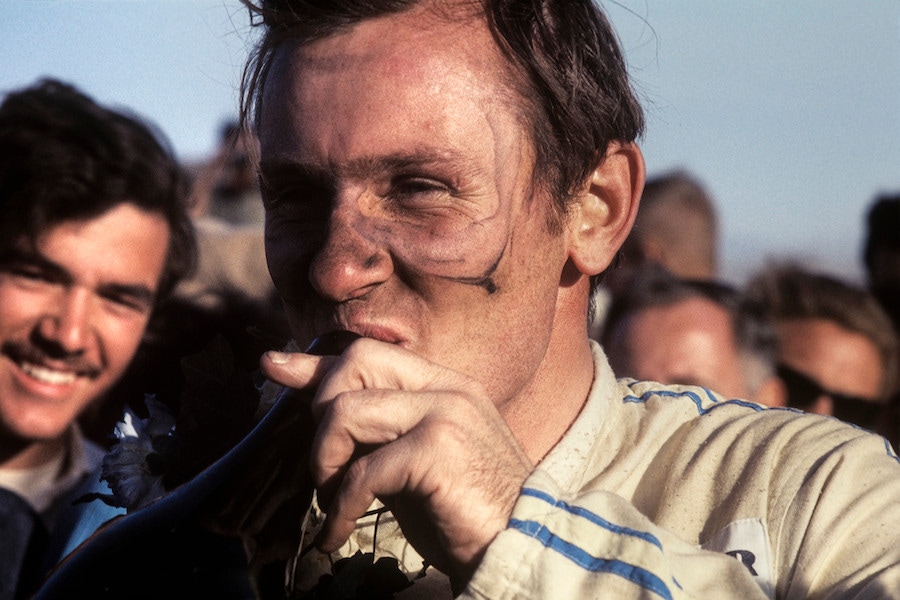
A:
[(16, 453), (543, 416)]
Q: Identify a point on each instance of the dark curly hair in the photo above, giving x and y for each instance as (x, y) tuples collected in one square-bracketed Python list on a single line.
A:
[(63, 157)]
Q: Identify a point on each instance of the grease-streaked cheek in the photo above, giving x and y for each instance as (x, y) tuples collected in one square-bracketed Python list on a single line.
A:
[(461, 250), (466, 251)]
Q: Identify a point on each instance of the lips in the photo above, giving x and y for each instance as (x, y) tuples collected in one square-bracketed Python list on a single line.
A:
[(380, 333), (47, 375), (45, 369)]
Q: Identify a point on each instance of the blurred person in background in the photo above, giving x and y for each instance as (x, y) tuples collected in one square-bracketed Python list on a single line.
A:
[(676, 227), (692, 332), (881, 256), (94, 234), (229, 218), (837, 350), (881, 253), (225, 187)]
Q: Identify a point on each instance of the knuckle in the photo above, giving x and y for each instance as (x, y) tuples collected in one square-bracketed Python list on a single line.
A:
[(450, 432), (358, 349), (357, 472), (341, 407), (320, 473)]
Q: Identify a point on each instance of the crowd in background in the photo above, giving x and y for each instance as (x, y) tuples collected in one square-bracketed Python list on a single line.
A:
[(790, 337)]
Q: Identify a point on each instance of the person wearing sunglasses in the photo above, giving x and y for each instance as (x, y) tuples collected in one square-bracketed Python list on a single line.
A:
[(837, 351)]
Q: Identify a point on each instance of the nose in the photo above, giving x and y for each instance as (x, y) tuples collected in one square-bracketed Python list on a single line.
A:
[(351, 261), (66, 326)]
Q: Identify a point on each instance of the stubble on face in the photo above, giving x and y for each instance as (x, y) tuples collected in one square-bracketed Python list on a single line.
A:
[(397, 143)]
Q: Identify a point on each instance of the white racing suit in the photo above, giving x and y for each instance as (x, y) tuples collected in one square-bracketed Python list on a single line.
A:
[(673, 492)]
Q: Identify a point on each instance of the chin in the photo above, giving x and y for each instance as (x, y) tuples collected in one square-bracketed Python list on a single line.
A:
[(45, 434), (37, 428)]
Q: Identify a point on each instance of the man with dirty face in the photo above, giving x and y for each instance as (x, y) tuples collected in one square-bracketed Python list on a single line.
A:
[(447, 180)]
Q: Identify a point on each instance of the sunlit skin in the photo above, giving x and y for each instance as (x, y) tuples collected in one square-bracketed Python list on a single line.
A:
[(425, 204), (431, 237), (689, 342), (840, 360), (398, 186), (72, 313)]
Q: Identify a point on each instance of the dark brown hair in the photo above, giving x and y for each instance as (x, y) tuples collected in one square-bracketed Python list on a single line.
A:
[(63, 157), (566, 56)]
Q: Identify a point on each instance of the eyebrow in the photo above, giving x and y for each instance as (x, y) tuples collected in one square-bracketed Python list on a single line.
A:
[(138, 292), (283, 168)]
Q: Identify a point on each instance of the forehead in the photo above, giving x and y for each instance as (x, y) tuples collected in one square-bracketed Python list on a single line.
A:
[(125, 244), (418, 61), (690, 341), (410, 42), (839, 359), (819, 340), (686, 316)]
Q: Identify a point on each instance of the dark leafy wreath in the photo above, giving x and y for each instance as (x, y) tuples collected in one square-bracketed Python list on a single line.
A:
[(263, 505)]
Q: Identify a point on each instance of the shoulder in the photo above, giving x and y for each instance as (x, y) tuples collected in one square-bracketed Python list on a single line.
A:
[(701, 412)]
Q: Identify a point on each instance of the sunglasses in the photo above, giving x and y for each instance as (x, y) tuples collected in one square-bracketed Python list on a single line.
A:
[(803, 391)]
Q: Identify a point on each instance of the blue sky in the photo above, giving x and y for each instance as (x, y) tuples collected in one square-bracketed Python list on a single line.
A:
[(789, 112)]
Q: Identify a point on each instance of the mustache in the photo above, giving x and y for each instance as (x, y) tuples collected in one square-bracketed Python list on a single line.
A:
[(21, 351)]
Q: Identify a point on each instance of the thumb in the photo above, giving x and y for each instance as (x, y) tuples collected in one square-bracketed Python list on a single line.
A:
[(295, 369)]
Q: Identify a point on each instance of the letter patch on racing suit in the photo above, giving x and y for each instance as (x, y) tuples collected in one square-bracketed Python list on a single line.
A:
[(747, 541)]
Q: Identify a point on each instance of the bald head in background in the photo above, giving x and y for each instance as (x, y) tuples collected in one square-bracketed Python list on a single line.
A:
[(676, 227)]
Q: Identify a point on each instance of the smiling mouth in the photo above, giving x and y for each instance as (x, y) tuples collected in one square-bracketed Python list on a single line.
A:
[(49, 376), (45, 369)]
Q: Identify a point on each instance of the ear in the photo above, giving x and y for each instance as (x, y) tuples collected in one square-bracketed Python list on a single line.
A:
[(604, 211)]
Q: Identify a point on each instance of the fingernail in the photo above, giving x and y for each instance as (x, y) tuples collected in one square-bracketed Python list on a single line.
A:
[(278, 358)]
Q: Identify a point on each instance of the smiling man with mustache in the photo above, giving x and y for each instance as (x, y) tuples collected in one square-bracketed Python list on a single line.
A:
[(93, 233)]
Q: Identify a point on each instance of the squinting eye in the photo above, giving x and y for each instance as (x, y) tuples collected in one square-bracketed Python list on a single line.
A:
[(28, 273), (298, 204), (417, 185), (124, 305), (418, 193)]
